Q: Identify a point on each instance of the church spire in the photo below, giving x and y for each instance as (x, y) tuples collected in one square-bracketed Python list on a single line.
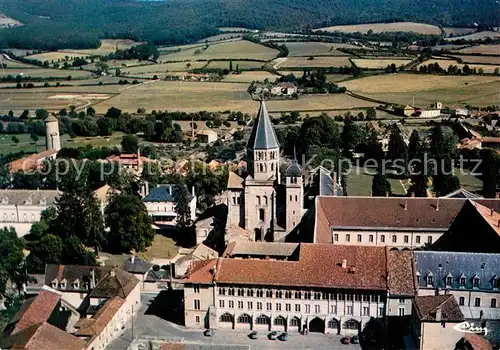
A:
[(263, 136)]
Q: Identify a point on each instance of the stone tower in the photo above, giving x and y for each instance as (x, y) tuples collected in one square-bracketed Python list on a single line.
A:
[(52, 137), (294, 194), (263, 168)]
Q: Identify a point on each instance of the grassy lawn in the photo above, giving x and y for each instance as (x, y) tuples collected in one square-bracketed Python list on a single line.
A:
[(26, 144), (162, 248), (470, 183), (360, 184)]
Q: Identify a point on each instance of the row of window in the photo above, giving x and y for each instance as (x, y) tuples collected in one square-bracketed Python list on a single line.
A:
[(262, 167), (288, 307), (477, 302), (462, 280), (13, 216), (406, 238), (264, 200), (262, 155), (280, 294), (292, 197)]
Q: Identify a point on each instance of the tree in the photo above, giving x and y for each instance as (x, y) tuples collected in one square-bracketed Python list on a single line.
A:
[(230, 65), (130, 143), (398, 151), (47, 250), (41, 113), (418, 175), (151, 173), (25, 115), (371, 114), (442, 150), (113, 112), (78, 210), (11, 264), (90, 111), (105, 126), (351, 136), (182, 207), (129, 224), (380, 185), (15, 139), (34, 137), (490, 169)]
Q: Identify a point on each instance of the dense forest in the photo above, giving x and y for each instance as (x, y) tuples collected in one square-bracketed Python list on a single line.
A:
[(55, 24)]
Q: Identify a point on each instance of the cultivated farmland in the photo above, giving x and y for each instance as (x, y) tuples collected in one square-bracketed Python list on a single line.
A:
[(480, 59), (47, 73), (315, 48), (379, 63), (55, 56), (487, 68), (240, 49), (458, 31), (477, 36), (248, 77), (427, 89), (385, 27), (319, 61), (162, 68), (107, 46), (240, 64), (482, 49)]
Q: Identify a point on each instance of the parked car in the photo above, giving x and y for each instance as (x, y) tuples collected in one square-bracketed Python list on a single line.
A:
[(346, 340), (253, 335), (273, 335), (283, 336), (208, 333), (355, 340)]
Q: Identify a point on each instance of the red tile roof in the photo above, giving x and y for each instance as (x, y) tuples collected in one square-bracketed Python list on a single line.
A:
[(42, 336), (476, 342), (31, 162), (95, 325), (319, 265), (491, 216), (36, 310), (427, 306), (391, 213)]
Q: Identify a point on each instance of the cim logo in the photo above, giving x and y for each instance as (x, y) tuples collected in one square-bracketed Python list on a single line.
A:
[(467, 327)]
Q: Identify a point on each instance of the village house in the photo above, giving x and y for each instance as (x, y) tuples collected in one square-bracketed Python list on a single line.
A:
[(206, 136), (472, 278), (433, 322), (406, 111), (133, 162), (32, 162), (21, 208), (160, 202), (320, 287)]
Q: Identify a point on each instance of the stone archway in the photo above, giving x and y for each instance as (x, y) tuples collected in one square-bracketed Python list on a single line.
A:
[(317, 325)]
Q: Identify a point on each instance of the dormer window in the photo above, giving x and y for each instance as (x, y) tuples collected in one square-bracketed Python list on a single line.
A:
[(430, 279), (418, 277), (462, 280), (62, 284), (475, 282), (28, 201), (75, 284), (43, 201), (448, 280), (5, 201), (53, 284), (495, 281)]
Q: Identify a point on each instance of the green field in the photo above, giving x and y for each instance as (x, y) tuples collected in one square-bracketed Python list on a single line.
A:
[(315, 48), (45, 72), (379, 63), (248, 77), (26, 144), (240, 64), (240, 49), (318, 61), (163, 68), (426, 89)]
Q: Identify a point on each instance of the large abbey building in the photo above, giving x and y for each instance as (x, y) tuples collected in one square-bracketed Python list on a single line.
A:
[(263, 203)]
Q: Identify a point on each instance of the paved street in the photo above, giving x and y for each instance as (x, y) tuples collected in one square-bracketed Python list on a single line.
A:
[(150, 327)]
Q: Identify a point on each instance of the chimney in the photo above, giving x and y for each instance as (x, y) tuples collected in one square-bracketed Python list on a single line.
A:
[(132, 259), (439, 314), (344, 264), (437, 205), (146, 188), (492, 211), (192, 191), (406, 204), (92, 278), (170, 189), (413, 194), (112, 273)]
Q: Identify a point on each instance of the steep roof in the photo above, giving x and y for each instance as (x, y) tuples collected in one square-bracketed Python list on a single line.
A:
[(117, 283), (318, 265), (234, 181), (461, 193), (28, 197), (379, 213), (456, 265), (73, 272), (94, 326), (263, 135), (51, 118), (164, 193), (426, 307), (42, 336), (36, 309), (294, 169), (137, 265)]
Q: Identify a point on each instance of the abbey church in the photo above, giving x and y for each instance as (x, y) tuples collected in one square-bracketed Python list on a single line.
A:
[(264, 204)]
